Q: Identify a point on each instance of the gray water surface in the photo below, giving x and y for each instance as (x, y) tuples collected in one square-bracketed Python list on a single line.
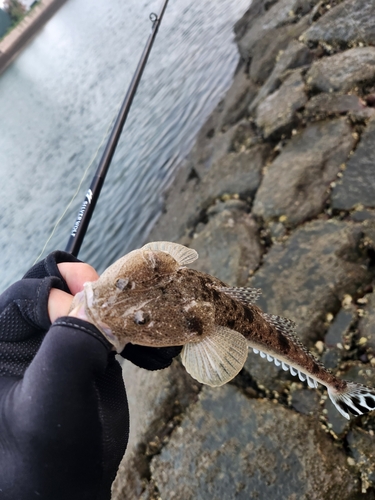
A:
[(59, 97)]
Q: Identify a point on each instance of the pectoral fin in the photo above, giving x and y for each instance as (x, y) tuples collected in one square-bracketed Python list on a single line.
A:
[(183, 255), (217, 359)]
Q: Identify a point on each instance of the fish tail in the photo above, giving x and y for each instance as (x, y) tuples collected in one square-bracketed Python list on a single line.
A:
[(356, 399)]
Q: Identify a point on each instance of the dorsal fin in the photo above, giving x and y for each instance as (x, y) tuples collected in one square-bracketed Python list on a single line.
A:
[(288, 328), (183, 255), (284, 325), (217, 359), (247, 296)]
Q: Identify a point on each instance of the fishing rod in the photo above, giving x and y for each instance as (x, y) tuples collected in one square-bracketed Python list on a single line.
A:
[(92, 195)]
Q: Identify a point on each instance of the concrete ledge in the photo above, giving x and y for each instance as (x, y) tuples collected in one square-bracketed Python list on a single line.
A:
[(18, 38)]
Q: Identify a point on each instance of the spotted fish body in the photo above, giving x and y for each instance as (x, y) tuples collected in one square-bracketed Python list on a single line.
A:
[(150, 298)]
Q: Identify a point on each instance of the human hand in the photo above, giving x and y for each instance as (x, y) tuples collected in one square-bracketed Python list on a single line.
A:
[(75, 274)]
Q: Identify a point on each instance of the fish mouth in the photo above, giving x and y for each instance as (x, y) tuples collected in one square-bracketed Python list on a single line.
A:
[(89, 294), (100, 325), (89, 300), (78, 300), (77, 307)]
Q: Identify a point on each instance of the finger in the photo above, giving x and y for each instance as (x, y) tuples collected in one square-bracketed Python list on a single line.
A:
[(59, 303), (76, 274)]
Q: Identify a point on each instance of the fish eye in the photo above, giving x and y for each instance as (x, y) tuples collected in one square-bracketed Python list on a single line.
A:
[(141, 318), (123, 284)]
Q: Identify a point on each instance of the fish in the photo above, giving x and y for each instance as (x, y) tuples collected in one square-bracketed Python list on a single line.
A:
[(150, 298)]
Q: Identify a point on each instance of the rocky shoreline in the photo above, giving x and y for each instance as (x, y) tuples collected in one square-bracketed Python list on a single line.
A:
[(20, 36), (278, 193)]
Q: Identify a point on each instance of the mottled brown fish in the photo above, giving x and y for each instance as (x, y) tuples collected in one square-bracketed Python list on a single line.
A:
[(148, 297)]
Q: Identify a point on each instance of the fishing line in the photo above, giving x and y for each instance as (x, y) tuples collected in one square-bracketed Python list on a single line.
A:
[(84, 215), (106, 133), (82, 221)]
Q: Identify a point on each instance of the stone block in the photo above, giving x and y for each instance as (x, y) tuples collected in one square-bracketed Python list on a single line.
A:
[(153, 397), (346, 23), (324, 105), (366, 325), (236, 173), (296, 184), (357, 186), (294, 56), (307, 276), (232, 447), (228, 245), (343, 71), (237, 100), (270, 47), (277, 113)]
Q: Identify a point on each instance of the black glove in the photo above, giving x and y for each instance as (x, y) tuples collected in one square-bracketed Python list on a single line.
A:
[(48, 267), (24, 318), (150, 358)]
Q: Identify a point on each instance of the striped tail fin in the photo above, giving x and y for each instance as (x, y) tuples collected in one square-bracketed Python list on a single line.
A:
[(356, 399)]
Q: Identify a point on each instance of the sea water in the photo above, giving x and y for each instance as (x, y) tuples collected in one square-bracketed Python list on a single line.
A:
[(59, 97)]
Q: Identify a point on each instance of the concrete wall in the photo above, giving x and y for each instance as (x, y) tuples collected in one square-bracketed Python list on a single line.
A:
[(18, 38)]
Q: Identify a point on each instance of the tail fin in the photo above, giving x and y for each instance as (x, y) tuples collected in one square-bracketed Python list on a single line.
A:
[(356, 399)]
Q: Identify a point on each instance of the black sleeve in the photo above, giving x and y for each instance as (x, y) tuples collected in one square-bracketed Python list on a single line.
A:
[(63, 410), (64, 424)]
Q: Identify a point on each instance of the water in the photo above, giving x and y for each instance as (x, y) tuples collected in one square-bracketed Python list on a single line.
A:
[(59, 97)]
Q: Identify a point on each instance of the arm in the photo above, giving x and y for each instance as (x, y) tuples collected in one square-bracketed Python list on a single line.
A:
[(63, 410)]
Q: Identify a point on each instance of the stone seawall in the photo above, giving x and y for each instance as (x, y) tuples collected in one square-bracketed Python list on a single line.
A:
[(278, 194), (19, 37)]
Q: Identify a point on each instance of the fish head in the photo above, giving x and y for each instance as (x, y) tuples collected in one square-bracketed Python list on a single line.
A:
[(140, 268), (157, 322), (138, 300)]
